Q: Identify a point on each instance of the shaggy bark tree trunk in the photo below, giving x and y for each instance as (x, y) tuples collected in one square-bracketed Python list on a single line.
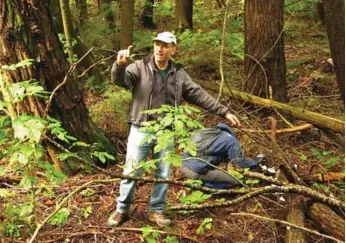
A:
[(264, 63), (26, 31), (184, 13), (334, 11), (127, 21)]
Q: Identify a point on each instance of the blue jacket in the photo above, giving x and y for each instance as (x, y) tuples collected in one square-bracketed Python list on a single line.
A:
[(221, 146)]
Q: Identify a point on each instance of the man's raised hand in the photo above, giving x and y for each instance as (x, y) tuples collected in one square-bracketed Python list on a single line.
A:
[(123, 56)]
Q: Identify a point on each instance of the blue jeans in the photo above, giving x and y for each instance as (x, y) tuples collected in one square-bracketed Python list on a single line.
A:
[(136, 153)]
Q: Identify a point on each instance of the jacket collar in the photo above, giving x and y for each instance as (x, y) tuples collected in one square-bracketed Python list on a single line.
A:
[(172, 66)]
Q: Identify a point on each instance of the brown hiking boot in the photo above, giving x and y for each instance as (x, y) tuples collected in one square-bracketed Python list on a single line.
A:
[(159, 219), (116, 219)]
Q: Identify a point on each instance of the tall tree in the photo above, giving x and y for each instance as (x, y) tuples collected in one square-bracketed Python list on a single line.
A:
[(127, 21), (184, 13), (335, 22), (67, 24), (27, 31), (79, 48), (264, 48), (82, 9), (147, 15)]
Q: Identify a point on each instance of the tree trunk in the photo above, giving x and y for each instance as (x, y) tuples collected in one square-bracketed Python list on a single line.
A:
[(334, 11), (147, 15), (68, 29), (127, 21), (26, 31), (111, 21), (184, 14), (79, 48), (264, 63), (82, 9), (317, 119), (327, 220)]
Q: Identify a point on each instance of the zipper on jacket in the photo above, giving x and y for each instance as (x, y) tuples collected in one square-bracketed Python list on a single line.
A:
[(152, 90)]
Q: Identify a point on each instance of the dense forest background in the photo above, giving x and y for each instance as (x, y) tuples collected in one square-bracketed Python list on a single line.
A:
[(278, 65)]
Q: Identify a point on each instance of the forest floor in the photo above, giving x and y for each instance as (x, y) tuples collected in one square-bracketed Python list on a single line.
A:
[(308, 151)]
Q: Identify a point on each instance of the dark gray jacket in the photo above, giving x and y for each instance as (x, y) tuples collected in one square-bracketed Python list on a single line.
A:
[(143, 79)]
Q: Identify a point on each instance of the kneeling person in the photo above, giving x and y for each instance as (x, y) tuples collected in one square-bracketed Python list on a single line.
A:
[(215, 145)]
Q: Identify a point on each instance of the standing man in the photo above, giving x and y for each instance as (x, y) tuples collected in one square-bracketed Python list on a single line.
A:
[(154, 81)]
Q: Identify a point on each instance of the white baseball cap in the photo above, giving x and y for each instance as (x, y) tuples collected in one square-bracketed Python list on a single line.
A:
[(166, 37)]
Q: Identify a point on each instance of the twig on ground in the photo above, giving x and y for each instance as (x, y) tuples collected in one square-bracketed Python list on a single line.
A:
[(73, 235), (286, 223), (267, 189), (137, 230)]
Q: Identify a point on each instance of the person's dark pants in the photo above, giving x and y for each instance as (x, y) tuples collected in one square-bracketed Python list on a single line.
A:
[(212, 176)]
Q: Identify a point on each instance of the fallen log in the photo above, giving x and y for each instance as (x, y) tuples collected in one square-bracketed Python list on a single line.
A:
[(327, 220), (314, 118), (295, 206), (281, 131), (321, 177)]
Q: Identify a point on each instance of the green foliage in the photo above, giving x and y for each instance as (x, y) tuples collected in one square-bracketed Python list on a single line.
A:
[(206, 224), (63, 41), (173, 124), (96, 31), (87, 192), (149, 234), (171, 239), (195, 44), (21, 135), (60, 218), (326, 157), (300, 8), (11, 230), (112, 111), (196, 197), (164, 12), (86, 211)]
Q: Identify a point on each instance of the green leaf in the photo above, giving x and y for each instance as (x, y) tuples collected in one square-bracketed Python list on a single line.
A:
[(27, 182), (171, 239), (303, 157), (3, 170), (196, 197), (87, 211), (60, 218)]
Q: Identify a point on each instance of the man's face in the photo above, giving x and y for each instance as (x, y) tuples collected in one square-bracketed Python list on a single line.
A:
[(163, 51)]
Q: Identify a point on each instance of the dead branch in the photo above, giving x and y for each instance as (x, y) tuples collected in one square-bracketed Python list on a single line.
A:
[(267, 189), (280, 131), (136, 230), (73, 235), (288, 224), (325, 177)]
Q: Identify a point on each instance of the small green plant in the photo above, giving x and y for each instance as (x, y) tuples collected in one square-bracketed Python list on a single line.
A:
[(11, 230), (207, 224), (149, 234), (62, 39), (86, 211), (196, 197), (60, 218)]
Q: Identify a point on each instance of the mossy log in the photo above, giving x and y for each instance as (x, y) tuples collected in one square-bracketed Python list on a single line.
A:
[(327, 220), (314, 118)]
